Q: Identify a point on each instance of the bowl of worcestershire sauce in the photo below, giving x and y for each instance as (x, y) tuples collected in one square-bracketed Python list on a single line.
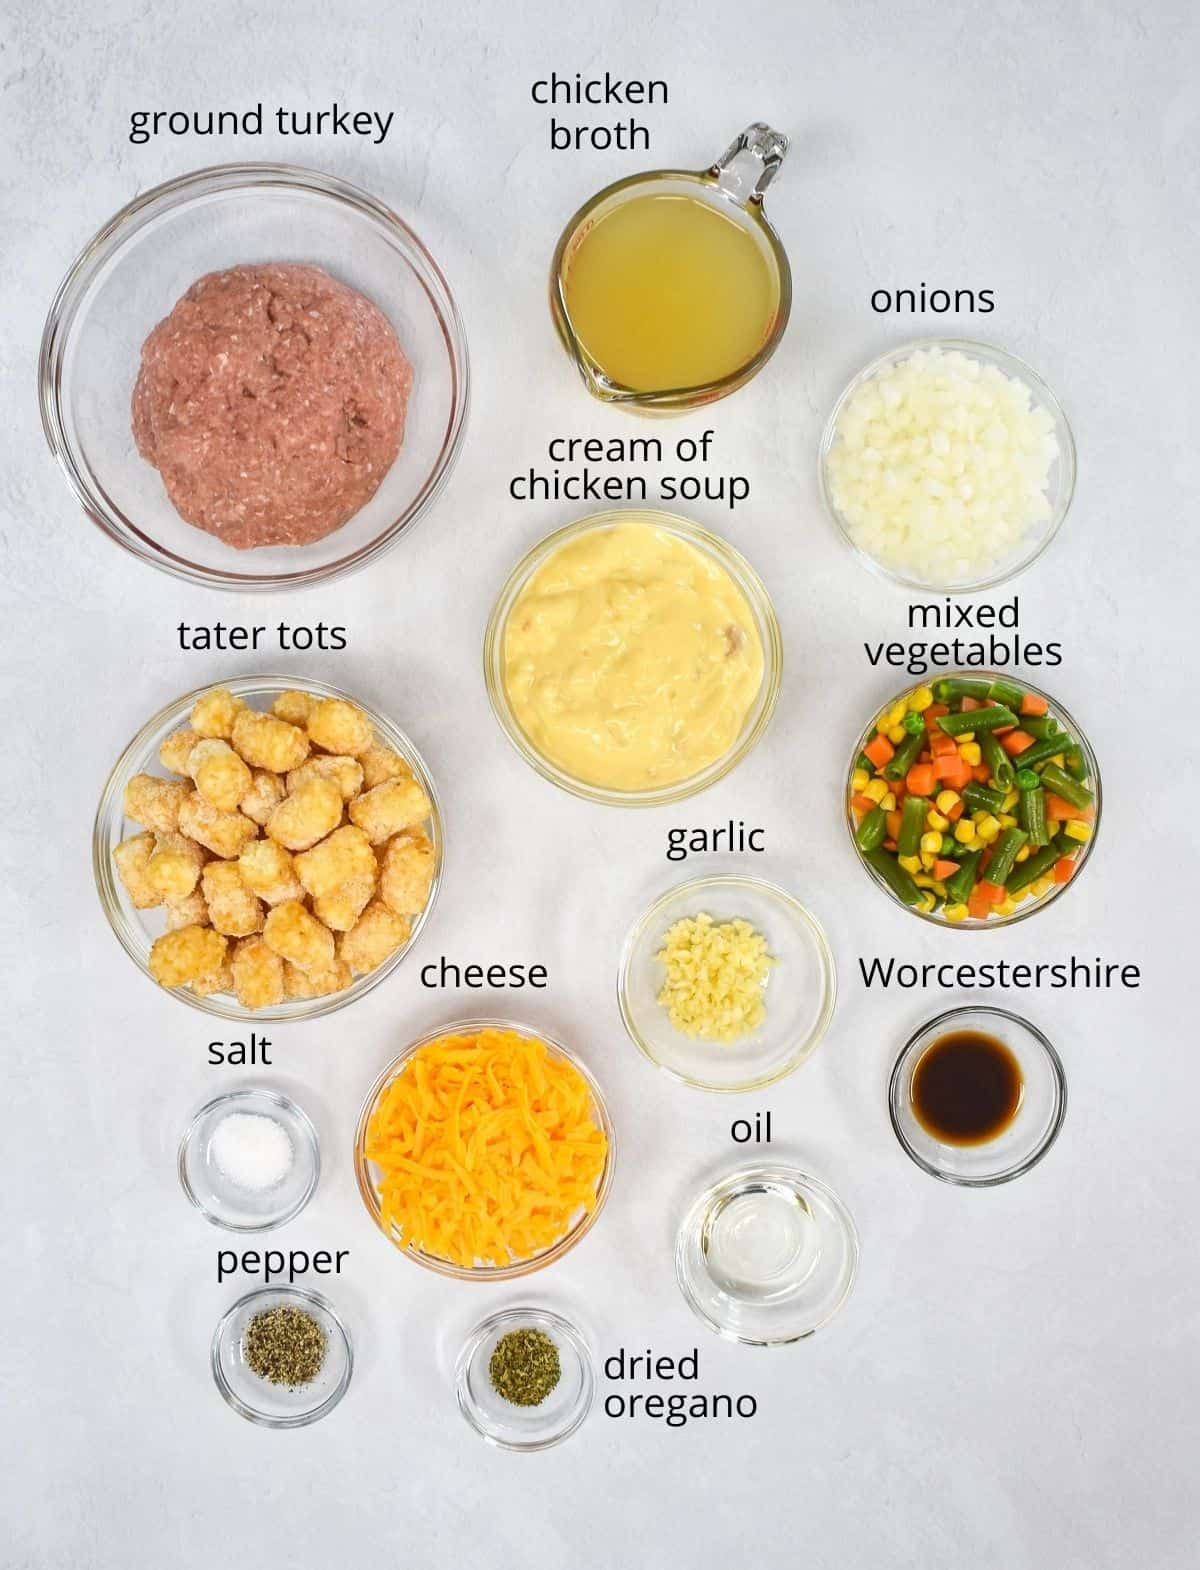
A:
[(977, 1096)]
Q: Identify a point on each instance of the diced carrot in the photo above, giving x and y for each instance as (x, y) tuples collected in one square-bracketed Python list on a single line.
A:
[(944, 869), (890, 844), (978, 905), (952, 771), (957, 811), (970, 703), (1063, 869), (1016, 741), (939, 744), (862, 804), (920, 779), (932, 714), (982, 773), (984, 860), (1032, 704), (880, 751), (1060, 811), (893, 825), (992, 892)]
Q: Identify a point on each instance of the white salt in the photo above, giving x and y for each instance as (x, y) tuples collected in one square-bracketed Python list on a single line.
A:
[(252, 1151)]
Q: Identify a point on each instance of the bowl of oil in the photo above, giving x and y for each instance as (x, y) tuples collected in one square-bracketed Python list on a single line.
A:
[(638, 268)]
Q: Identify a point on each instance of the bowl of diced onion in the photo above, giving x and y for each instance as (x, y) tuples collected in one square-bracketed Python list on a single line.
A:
[(947, 465)]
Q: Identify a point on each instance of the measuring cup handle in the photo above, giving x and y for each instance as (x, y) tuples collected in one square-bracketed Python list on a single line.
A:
[(748, 165)]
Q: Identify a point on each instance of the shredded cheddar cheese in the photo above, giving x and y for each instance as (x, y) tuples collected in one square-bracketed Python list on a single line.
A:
[(486, 1149), (715, 975)]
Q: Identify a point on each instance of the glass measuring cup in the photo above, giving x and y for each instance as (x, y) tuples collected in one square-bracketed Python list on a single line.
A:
[(733, 187)]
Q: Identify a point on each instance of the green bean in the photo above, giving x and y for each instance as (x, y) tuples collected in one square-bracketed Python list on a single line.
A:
[(1076, 767), (1064, 844), (863, 762), (894, 875), (960, 883), (1061, 783), (912, 825), (1005, 855), (1031, 814), (904, 757), (1006, 692), (1000, 765), (1028, 779), (1048, 747), (947, 688), (978, 720), (981, 798), (1039, 725), (872, 830), (1034, 867)]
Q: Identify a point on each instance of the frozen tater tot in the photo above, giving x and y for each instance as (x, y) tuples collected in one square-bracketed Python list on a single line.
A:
[(174, 866), (380, 763), (219, 980), (340, 908), (377, 933), (296, 935), (175, 749), (265, 793), (181, 956), (155, 803), (213, 714), (345, 772), (257, 974), (267, 871), (269, 743), (190, 911), (131, 857), (294, 706), (337, 725), (232, 908), (298, 985), (344, 855), (300, 820), (406, 872), (394, 805), (226, 834), (221, 777)]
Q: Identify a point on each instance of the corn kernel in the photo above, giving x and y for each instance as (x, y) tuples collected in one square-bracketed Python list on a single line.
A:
[(1024, 853), (1077, 829), (936, 821), (927, 859), (1059, 759), (1022, 894), (1006, 820), (923, 880), (987, 826), (1006, 906), (926, 902), (955, 913), (931, 843), (968, 736), (970, 752), (875, 790), (1010, 800), (888, 803), (947, 800), (964, 831), (988, 836), (896, 734), (921, 699), (859, 781), (1042, 886), (910, 863)]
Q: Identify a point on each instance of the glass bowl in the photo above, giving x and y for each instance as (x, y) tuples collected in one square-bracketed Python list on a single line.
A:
[(225, 1203), (277, 1406), (525, 1427), (1028, 907), (748, 583), (1019, 1146), (365, 1171), (767, 1255), (130, 276), (137, 929), (799, 994), (1060, 480)]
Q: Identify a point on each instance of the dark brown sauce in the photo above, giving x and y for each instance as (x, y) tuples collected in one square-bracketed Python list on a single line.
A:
[(966, 1088)]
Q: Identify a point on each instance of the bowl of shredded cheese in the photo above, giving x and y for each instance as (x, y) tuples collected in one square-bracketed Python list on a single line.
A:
[(947, 465), (727, 983), (484, 1151)]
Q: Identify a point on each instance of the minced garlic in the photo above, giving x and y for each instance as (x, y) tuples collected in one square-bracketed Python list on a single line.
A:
[(715, 977)]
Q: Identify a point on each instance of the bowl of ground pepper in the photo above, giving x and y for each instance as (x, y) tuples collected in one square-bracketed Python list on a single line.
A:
[(525, 1379), (281, 1357)]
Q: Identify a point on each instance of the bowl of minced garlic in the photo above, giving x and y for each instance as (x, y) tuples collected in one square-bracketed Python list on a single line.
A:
[(727, 983)]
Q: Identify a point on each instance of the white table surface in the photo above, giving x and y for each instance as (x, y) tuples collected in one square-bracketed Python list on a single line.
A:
[(1014, 1380)]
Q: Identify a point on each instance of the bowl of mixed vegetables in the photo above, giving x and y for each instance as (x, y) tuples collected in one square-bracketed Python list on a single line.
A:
[(973, 799)]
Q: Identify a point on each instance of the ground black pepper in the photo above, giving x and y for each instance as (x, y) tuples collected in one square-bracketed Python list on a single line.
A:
[(524, 1367), (284, 1346)]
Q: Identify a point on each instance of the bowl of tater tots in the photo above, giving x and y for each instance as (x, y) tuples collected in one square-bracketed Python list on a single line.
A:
[(266, 849)]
